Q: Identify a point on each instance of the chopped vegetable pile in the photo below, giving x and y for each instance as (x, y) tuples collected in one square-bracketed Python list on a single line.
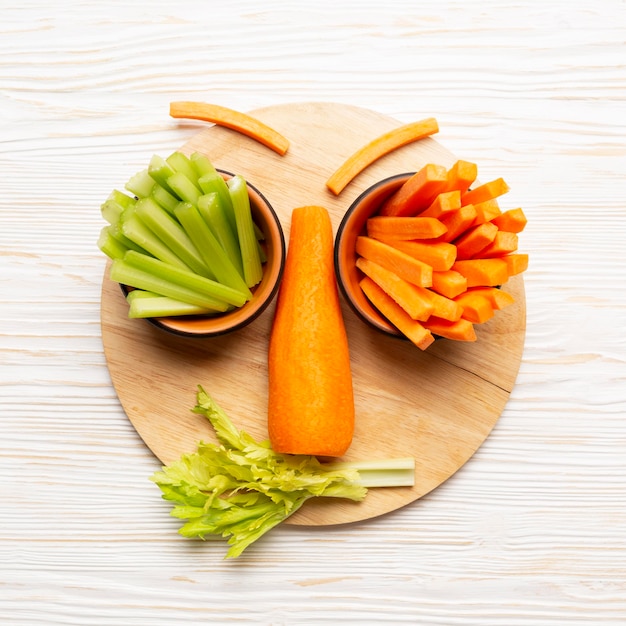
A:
[(240, 488), (435, 255), (185, 239)]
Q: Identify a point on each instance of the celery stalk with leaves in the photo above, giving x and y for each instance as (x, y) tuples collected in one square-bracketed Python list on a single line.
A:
[(240, 489)]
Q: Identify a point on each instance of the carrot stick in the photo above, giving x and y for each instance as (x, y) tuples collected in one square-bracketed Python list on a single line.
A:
[(512, 221), (235, 120), (404, 227), (417, 193), (476, 306), (515, 263), (457, 222), (378, 148), (461, 175), (439, 255), (503, 243), (443, 204), (449, 283), (461, 330), (311, 403), (474, 240), (486, 211), (483, 272), (498, 298), (404, 265), (410, 328), (443, 307), (417, 306), (487, 191)]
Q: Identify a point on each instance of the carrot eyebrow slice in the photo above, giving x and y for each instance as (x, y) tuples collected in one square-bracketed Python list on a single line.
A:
[(379, 147), (235, 120)]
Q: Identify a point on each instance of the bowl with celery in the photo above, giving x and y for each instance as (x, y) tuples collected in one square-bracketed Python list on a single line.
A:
[(197, 251)]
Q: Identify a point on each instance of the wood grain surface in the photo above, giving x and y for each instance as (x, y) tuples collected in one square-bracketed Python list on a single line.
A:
[(436, 407), (532, 530)]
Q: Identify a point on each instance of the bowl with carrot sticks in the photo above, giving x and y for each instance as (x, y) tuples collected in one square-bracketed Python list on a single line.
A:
[(425, 255), (197, 251)]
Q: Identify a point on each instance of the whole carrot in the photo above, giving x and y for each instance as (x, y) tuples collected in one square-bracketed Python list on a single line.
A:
[(311, 402)]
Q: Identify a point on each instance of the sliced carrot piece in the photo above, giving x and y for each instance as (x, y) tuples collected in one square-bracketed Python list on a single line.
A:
[(440, 255), (377, 148), (444, 307), (498, 298), (512, 221), (486, 211), (403, 292), (404, 265), (405, 227), (503, 243), (449, 283), (235, 120), (487, 191), (477, 307), (443, 204), (410, 328), (474, 240), (461, 175), (483, 272), (461, 330), (417, 193), (515, 263), (457, 222)]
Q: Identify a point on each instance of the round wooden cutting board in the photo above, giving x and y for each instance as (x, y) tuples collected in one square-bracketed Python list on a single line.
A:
[(437, 406)]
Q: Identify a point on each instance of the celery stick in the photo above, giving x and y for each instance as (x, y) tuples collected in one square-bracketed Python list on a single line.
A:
[(133, 228), (162, 306), (381, 473), (109, 245), (181, 163), (215, 183), (258, 233), (164, 198), (252, 269), (210, 249), (127, 274), (212, 211), (160, 170), (111, 210), (185, 278), (140, 184), (262, 254), (201, 164), (121, 198), (183, 187), (115, 231), (172, 234)]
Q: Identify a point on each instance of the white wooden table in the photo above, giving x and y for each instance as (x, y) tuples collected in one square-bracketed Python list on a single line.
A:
[(532, 530)]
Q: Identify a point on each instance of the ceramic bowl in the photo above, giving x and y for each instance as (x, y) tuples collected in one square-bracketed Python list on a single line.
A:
[(204, 326), (352, 225)]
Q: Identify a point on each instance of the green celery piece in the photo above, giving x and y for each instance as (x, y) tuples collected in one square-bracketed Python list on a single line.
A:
[(127, 274), (135, 230), (109, 245), (164, 198), (115, 230), (181, 163), (184, 188), (160, 170), (240, 488), (209, 247), (212, 211), (162, 306), (210, 183), (262, 254), (185, 278), (252, 268), (258, 233), (172, 234), (140, 184), (114, 205), (201, 164)]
